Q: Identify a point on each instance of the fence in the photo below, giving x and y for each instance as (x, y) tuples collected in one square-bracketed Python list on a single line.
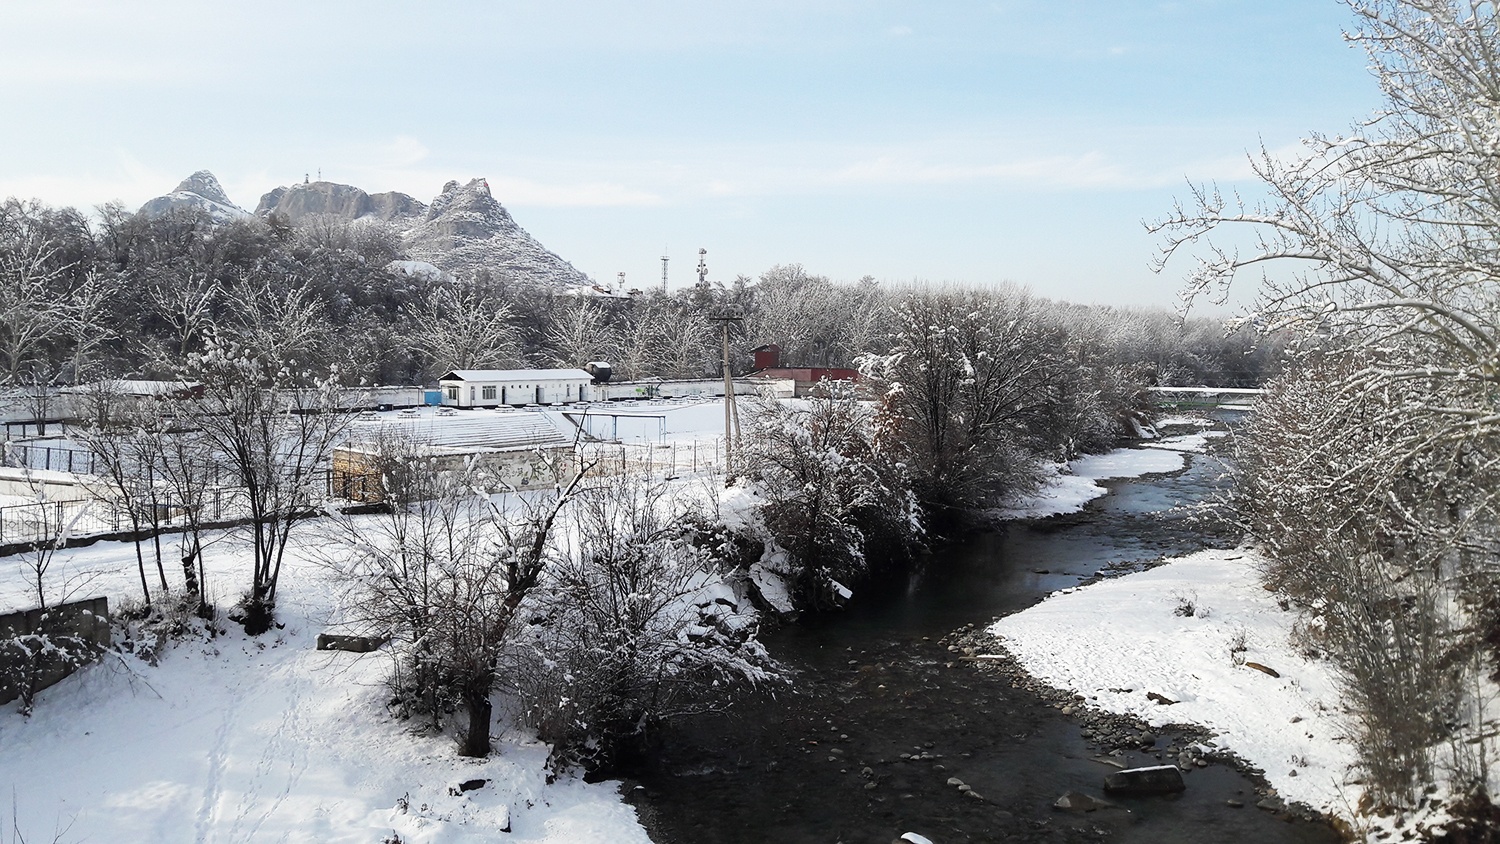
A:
[(673, 458), (47, 521), (223, 503), (51, 458)]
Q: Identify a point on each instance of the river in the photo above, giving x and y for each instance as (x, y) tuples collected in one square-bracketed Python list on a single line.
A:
[(822, 762)]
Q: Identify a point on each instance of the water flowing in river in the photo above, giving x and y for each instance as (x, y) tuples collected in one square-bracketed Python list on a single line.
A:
[(823, 761)]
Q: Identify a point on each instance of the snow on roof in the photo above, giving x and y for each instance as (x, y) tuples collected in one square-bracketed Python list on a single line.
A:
[(516, 375), (475, 429), (130, 387)]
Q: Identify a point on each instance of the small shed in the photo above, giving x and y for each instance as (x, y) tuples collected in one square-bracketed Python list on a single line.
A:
[(512, 387)]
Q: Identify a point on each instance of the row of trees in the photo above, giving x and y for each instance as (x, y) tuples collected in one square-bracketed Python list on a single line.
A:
[(117, 294), (975, 392), (1370, 472)]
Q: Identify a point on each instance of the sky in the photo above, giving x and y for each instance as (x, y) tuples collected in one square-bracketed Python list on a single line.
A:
[(1020, 141)]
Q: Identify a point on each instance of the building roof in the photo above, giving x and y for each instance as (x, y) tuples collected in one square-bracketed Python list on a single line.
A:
[(129, 387), (472, 430), (516, 375)]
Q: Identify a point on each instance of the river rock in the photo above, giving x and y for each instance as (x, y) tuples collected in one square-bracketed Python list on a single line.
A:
[(1158, 779), (1075, 801)]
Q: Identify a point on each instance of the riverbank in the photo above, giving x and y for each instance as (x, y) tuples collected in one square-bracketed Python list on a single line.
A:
[(1196, 641)]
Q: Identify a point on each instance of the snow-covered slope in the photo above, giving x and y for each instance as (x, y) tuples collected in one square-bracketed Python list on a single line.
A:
[(198, 191), (240, 739), (1118, 642), (466, 230)]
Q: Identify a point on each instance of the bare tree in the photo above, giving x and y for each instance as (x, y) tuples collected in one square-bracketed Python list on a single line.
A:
[(445, 571), (1379, 248), (273, 421), (183, 297), (112, 427), (464, 327), (191, 474)]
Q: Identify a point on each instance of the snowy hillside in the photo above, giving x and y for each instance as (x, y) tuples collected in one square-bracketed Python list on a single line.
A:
[(198, 191), (466, 229), (237, 739)]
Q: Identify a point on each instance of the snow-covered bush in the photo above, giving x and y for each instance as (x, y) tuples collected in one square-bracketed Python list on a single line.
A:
[(836, 504), (635, 626)]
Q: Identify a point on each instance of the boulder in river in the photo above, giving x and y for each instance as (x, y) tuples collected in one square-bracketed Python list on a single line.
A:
[(1077, 801), (1158, 779)]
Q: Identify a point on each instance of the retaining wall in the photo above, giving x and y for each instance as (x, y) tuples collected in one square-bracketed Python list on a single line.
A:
[(40, 647)]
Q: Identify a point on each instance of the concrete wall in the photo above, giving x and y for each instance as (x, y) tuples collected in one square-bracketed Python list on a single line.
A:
[(79, 632)]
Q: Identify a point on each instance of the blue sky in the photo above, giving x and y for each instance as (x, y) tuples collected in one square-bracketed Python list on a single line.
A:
[(947, 141)]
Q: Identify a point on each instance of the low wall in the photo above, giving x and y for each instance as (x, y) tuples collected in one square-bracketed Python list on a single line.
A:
[(40, 647)]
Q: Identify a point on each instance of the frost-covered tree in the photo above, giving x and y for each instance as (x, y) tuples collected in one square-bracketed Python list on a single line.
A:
[(464, 327), (635, 630), (579, 332), (968, 389), (1379, 248), (835, 503), (272, 420)]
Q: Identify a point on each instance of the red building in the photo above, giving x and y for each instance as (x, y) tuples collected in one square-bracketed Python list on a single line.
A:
[(768, 365)]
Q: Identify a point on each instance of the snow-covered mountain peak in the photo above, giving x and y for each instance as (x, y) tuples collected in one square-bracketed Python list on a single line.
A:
[(198, 191), (466, 230)]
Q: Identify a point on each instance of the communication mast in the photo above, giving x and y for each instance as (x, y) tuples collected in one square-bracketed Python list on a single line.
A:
[(664, 270), (702, 267)]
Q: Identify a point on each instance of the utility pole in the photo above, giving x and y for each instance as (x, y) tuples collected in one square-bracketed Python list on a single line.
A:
[(731, 407)]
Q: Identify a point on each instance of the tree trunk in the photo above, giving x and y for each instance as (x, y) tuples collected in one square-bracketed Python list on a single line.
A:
[(477, 740)]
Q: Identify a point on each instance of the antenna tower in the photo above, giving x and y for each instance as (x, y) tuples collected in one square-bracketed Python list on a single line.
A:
[(702, 267), (664, 270)]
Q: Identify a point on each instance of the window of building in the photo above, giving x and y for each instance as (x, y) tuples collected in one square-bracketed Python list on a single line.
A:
[(488, 393), (453, 393)]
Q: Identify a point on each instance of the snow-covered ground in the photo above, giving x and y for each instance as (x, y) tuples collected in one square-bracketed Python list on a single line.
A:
[(266, 739), (1069, 486), (1118, 641), (240, 739)]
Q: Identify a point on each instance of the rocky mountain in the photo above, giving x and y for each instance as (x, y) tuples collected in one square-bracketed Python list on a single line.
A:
[(298, 202), (198, 191), (465, 230)]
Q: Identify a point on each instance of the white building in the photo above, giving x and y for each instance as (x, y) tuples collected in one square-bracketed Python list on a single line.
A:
[(515, 387)]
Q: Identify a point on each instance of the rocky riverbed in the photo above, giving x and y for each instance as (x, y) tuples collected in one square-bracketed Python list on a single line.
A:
[(1123, 741)]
